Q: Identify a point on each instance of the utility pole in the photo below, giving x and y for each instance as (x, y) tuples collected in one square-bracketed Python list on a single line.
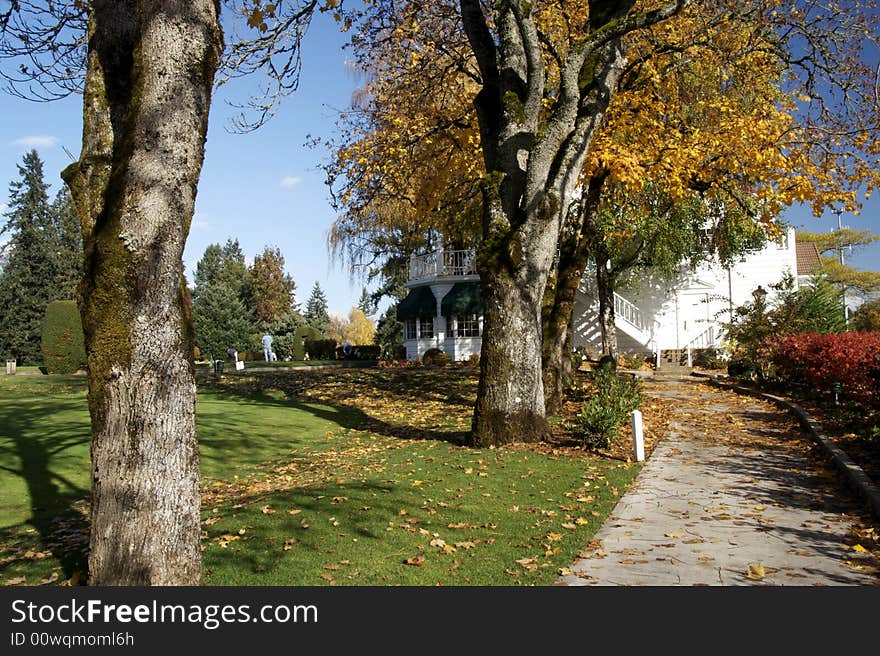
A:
[(840, 250)]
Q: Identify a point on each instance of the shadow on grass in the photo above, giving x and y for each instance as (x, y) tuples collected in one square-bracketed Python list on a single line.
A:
[(410, 387), (40, 437)]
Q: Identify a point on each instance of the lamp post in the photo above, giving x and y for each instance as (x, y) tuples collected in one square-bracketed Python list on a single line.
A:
[(760, 294)]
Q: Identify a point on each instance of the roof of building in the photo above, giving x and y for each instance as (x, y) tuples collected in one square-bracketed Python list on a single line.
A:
[(808, 262)]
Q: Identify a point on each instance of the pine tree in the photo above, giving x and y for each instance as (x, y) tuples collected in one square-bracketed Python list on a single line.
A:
[(69, 246), (222, 316), (316, 310), (28, 282), (367, 303), (220, 321)]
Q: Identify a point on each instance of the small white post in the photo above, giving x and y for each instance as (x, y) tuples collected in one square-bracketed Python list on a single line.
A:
[(638, 436)]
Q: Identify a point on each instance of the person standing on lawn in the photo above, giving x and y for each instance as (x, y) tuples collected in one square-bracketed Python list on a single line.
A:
[(267, 347)]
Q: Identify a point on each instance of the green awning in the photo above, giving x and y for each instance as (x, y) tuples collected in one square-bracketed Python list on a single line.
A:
[(419, 303), (463, 298)]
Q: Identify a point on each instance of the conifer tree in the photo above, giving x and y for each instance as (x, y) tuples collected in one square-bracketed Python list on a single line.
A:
[(28, 282), (316, 310)]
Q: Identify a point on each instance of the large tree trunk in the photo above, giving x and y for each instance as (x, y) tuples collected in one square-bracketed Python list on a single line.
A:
[(150, 71), (605, 291), (559, 297), (510, 397)]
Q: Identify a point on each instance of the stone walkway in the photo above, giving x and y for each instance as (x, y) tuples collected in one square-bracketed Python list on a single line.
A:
[(735, 494)]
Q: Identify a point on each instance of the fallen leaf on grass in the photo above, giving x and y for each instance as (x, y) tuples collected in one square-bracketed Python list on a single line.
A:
[(267, 510), (289, 544), (564, 571), (295, 511), (529, 564), (416, 561)]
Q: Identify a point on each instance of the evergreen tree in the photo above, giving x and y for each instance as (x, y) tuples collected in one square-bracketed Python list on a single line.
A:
[(222, 317), (28, 282), (220, 321), (389, 335), (367, 303), (316, 310), (69, 245), (223, 265)]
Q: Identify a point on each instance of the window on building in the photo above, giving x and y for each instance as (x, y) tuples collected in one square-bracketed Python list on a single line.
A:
[(467, 325), (409, 329), (426, 328)]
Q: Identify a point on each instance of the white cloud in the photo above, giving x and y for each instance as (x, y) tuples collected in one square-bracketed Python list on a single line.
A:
[(36, 141), (290, 181)]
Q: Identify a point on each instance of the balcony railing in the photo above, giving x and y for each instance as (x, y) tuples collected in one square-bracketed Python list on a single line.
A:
[(443, 263)]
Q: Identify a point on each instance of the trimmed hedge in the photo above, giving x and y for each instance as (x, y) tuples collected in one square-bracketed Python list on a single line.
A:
[(362, 352), (62, 340), (321, 349)]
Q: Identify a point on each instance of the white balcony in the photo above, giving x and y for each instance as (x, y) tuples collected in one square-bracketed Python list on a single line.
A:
[(460, 264)]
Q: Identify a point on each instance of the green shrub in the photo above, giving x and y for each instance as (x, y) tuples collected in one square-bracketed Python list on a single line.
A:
[(436, 356), (602, 414), (63, 343), (607, 362)]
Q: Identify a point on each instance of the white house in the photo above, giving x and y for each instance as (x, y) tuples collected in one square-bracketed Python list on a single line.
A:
[(444, 307)]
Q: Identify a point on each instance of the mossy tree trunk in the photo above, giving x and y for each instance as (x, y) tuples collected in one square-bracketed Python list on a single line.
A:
[(149, 76), (575, 245)]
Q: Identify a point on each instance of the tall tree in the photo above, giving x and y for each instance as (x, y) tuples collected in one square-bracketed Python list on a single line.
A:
[(221, 319), (224, 265), (539, 106), (316, 310), (146, 69), (29, 279), (273, 290), (70, 247), (149, 74)]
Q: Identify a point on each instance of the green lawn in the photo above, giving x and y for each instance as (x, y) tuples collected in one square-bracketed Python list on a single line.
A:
[(317, 477)]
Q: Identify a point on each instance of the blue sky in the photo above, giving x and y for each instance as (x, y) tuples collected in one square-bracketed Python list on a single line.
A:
[(265, 188)]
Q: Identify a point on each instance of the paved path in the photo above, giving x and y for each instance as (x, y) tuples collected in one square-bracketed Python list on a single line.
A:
[(734, 495)]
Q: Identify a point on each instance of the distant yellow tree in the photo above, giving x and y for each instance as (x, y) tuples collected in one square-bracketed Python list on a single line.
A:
[(358, 329), (361, 329), (336, 328)]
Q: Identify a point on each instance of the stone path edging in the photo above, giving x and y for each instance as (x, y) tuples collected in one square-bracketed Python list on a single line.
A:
[(854, 474)]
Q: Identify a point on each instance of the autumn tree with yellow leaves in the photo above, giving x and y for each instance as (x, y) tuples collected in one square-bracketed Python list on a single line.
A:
[(724, 101)]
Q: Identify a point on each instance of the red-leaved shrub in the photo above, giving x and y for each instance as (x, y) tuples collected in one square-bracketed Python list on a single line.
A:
[(820, 360)]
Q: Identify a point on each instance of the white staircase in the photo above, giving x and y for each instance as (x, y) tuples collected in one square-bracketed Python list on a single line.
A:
[(635, 334)]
